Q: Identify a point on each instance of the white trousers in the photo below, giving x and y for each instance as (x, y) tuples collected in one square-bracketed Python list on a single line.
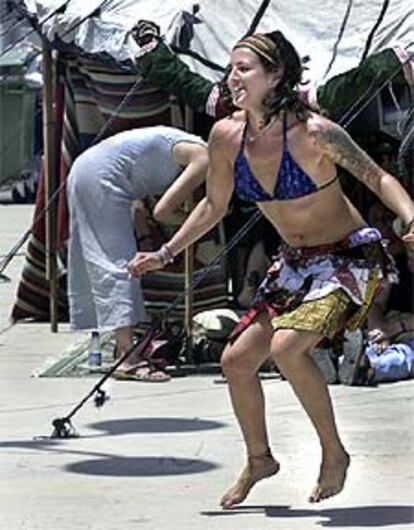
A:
[(101, 295)]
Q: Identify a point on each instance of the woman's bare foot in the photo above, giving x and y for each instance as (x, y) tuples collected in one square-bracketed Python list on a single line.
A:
[(331, 477), (257, 468)]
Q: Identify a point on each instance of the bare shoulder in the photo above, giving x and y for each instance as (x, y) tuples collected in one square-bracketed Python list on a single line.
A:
[(332, 139), (314, 133), (186, 152), (226, 133), (340, 148), (322, 129)]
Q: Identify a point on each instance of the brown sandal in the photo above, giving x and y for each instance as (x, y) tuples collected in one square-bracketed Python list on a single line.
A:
[(143, 371)]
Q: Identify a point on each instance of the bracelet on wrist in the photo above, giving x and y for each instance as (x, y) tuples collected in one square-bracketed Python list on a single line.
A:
[(165, 255)]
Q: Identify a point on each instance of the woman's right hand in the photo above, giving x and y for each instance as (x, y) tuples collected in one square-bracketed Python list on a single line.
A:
[(144, 262), (145, 31)]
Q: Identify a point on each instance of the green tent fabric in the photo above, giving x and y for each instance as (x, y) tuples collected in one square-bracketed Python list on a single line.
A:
[(338, 94), (166, 70)]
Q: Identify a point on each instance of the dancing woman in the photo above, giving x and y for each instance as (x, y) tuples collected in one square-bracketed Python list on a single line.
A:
[(280, 154)]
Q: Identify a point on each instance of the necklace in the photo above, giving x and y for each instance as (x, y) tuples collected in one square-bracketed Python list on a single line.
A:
[(253, 137)]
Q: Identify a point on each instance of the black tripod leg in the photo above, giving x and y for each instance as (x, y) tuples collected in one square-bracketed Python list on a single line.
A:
[(62, 427)]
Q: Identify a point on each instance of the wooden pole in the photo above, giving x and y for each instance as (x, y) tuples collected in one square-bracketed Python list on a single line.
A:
[(50, 183), (189, 260), (188, 123)]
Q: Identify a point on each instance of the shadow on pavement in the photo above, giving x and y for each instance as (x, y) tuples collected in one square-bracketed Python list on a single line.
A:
[(105, 464), (154, 425), (40, 444), (149, 466), (366, 516)]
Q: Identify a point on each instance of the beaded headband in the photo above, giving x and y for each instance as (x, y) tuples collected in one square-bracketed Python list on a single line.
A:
[(261, 45)]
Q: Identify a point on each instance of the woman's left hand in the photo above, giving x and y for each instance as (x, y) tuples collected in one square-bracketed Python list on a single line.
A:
[(144, 262)]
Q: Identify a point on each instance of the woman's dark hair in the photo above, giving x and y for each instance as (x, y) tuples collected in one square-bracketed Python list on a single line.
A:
[(285, 96)]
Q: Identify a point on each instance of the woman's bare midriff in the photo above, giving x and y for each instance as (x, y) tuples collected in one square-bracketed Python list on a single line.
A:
[(321, 218)]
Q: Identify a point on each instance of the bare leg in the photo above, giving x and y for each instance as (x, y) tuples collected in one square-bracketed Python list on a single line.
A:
[(240, 363), (134, 367), (124, 340), (290, 350)]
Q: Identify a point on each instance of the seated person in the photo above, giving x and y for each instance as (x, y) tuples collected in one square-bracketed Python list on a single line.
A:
[(385, 351), (102, 185), (389, 353), (386, 362)]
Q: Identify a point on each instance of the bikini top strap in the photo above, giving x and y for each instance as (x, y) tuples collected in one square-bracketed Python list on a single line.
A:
[(243, 139)]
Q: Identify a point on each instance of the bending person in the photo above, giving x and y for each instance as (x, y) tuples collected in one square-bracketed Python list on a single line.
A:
[(102, 184), (278, 153)]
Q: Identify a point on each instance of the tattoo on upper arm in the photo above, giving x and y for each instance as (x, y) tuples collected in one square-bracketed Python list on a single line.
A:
[(347, 154)]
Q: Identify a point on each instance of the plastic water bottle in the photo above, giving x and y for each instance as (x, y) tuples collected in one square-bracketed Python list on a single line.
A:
[(94, 355)]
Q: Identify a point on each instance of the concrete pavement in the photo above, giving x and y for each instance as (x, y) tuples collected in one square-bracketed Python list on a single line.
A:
[(159, 456)]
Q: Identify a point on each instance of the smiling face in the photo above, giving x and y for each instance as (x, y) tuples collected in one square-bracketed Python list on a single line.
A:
[(248, 80)]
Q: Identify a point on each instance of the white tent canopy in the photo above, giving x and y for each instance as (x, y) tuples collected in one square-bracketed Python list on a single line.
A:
[(333, 33)]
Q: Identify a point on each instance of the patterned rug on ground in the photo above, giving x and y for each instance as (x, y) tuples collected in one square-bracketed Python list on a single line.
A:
[(73, 362)]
